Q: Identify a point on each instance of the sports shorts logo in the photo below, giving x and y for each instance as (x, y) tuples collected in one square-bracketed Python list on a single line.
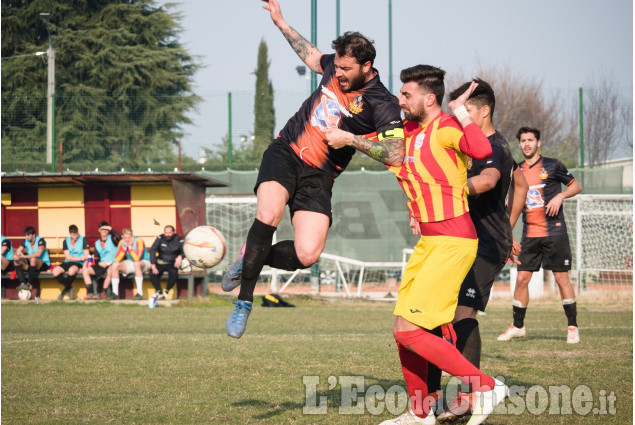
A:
[(471, 292), (415, 311)]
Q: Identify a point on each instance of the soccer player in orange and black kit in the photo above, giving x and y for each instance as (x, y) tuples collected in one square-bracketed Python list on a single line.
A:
[(433, 176), (545, 240), (299, 167)]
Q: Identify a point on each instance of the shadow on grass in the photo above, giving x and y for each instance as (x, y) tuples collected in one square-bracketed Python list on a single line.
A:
[(271, 409), (333, 397)]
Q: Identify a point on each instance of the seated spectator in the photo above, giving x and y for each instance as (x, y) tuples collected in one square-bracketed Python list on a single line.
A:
[(31, 255), (76, 251), (105, 249), (137, 261), (7, 255), (166, 255)]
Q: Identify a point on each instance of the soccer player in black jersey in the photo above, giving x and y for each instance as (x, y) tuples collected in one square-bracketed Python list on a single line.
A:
[(489, 183), (545, 240), (299, 167)]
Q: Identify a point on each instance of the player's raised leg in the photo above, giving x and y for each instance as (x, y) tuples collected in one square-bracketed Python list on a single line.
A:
[(272, 198)]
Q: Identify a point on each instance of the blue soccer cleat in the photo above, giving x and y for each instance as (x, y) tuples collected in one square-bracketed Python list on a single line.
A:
[(237, 320), (232, 277)]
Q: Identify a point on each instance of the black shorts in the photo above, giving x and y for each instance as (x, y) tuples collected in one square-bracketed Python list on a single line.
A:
[(309, 187), (553, 252), (43, 268), (10, 267), (66, 265), (99, 271), (477, 285)]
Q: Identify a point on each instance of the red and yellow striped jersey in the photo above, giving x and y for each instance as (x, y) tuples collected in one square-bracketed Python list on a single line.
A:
[(434, 173)]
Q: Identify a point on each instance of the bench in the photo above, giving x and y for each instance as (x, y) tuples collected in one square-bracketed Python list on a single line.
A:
[(189, 284)]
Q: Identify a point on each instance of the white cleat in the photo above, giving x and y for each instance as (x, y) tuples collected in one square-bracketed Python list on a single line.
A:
[(573, 336), (410, 418), (511, 333), (487, 401)]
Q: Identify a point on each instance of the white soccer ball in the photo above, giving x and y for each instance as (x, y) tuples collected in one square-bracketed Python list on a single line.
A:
[(204, 246), (24, 294)]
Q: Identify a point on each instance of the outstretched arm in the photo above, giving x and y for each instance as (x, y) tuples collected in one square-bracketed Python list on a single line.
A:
[(309, 54), (389, 149)]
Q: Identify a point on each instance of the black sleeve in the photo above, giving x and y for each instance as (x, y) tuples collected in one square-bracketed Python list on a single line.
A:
[(496, 160), (153, 250), (116, 237), (86, 245), (64, 245), (387, 117), (562, 174), (7, 243), (181, 253)]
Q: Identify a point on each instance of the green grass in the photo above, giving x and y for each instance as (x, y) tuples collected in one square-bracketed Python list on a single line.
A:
[(106, 363)]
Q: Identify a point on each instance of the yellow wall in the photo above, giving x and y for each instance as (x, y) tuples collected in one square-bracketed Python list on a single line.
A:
[(152, 208), (59, 207)]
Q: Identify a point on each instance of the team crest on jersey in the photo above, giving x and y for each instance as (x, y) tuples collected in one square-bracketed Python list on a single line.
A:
[(469, 163), (326, 114), (543, 174), (419, 140), (356, 105)]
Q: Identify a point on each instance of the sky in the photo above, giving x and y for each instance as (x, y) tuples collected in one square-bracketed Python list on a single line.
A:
[(564, 43)]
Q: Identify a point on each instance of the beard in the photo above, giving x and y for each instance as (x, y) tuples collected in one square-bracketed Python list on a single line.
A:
[(355, 84), (417, 114)]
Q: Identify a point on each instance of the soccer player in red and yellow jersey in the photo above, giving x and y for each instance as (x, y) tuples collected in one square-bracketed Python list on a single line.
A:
[(545, 241), (434, 177)]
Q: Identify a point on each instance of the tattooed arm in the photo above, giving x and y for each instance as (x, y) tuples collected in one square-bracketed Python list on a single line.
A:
[(390, 150), (309, 54)]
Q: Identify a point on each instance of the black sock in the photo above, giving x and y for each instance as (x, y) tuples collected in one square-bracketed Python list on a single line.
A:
[(32, 273), (571, 310), (468, 340), (434, 373), (61, 279), (519, 316), (20, 273), (283, 256), (256, 251), (89, 289)]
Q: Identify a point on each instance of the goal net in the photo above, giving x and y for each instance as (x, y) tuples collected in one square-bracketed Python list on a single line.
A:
[(601, 235), (332, 275)]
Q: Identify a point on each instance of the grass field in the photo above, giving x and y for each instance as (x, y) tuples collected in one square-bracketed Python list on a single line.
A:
[(107, 363)]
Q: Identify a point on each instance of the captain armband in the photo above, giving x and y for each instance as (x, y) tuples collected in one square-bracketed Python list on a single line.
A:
[(393, 133)]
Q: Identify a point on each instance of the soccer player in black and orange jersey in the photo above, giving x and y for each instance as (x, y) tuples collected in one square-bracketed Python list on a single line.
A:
[(299, 167), (545, 240), (490, 181), (433, 176)]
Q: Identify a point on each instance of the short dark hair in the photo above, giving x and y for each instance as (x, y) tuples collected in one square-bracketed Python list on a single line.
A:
[(522, 130), (103, 223), (430, 78), (29, 230), (355, 45), (170, 226), (482, 95), (73, 229)]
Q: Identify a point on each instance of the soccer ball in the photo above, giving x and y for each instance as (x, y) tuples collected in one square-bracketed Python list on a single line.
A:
[(204, 246), (24, 294)]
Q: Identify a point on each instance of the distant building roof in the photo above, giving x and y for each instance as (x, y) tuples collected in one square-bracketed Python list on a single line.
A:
[(73, 178)]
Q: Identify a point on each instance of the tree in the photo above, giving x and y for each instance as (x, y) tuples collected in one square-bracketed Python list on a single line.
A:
[(123, 83), (521, 102), (607, 119), (264, 112)]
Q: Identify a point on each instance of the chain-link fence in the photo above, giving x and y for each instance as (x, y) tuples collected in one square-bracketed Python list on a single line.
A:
[(113, 134)]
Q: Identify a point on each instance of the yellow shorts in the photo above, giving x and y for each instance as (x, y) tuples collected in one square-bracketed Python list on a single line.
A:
[(430, 285)]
